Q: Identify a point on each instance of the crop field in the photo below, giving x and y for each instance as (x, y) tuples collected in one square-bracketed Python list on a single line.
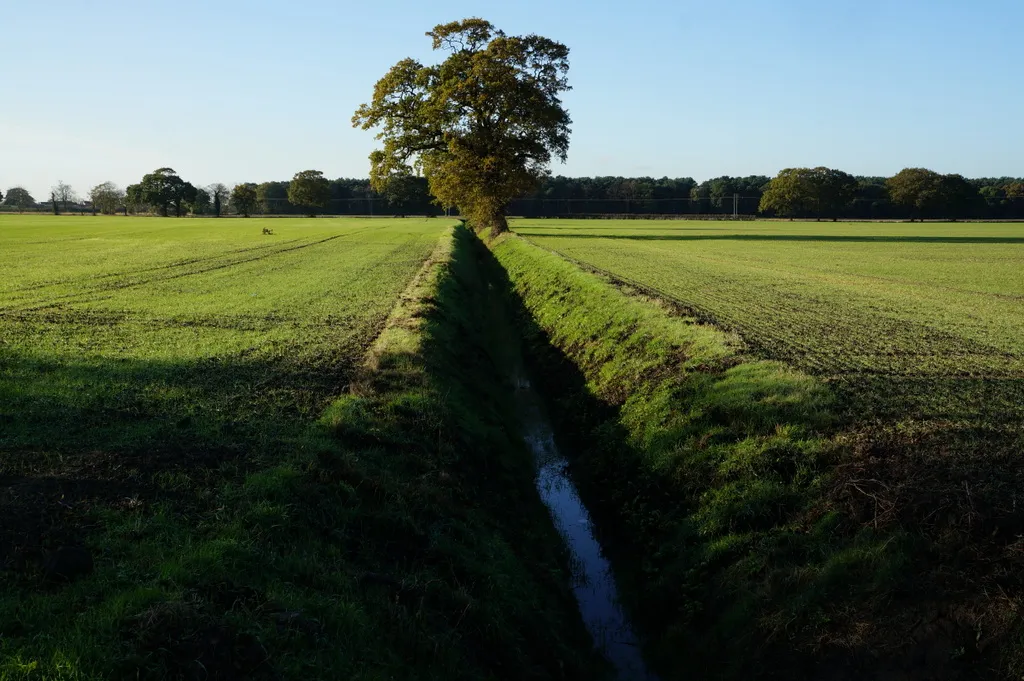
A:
[(139, 336), (149, 365), (132, 333), (918, 320), (911, 509)]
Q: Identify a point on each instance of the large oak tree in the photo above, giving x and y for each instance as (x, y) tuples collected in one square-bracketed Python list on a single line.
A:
[(482, 126)]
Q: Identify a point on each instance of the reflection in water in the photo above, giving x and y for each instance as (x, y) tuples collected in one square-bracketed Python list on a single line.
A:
[(593, 583)]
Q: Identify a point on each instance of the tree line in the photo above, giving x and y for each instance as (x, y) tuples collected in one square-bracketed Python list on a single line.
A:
[(817, 193), (165, 193)]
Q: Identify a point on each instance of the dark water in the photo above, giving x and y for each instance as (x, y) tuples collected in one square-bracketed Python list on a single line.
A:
[(593, 583)]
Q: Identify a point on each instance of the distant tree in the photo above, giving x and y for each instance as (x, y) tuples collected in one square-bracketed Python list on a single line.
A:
[(18, 197), (716, 195), (721, 191), (54, 205), (133, 200), (273, 198), (992, 192), (163, 188), (1015, 199), (834, 191), (106, 197), (156, 190), (309, 189), (200, 205), (219, 193), (814, 192), (482, 126), (916, 189), (790, 193), (244, 198), (184, 195), (64, 194), (958, 198), (926, 193), (1, 197), (871, 199), (404, 192)]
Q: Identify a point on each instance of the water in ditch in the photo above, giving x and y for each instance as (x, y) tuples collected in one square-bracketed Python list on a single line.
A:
[(593, 583)]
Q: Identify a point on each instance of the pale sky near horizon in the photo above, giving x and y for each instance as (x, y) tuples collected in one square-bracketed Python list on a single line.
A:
[(232, 91)]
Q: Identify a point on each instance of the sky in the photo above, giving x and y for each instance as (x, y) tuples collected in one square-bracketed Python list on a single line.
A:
[(231, 91)]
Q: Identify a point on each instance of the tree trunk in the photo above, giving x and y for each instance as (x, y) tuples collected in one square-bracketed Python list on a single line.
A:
[(499, 225), (494, 221)]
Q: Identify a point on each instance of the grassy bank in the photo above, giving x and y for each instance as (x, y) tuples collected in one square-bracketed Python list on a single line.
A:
[(373, 544), (716, 477)]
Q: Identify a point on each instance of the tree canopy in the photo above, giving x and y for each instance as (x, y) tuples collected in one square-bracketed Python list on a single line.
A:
[(309, 189), (62, 193), (244, 198), (818, 192), (18, 197), (219, 193), (272, 197), (201, 202), (162, 189), (482, 126), (106, 197), (928, 194)]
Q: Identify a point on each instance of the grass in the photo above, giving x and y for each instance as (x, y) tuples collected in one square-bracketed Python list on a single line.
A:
[(766, 521), (918, 321), (171, 398), (131, 334), (800, 441)]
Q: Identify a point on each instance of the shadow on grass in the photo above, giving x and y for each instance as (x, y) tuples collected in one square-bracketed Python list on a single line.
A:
[(79, 435)]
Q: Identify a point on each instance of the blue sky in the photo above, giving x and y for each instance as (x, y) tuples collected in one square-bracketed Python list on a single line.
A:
[(231, 91)]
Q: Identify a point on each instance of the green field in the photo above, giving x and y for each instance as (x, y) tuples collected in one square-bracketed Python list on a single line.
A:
[(198, 404), (861, 509), (919, 320), (159, 382), (115, 332)]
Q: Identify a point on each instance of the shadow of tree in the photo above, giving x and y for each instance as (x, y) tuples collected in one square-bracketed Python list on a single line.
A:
[(80, 437)]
